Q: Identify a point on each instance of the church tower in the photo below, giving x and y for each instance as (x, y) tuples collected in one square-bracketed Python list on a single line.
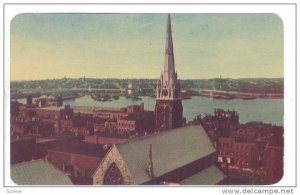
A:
[(168, 108)]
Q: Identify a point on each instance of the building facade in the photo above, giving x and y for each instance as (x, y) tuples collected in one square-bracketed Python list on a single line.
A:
[(78, 160), (130, 121), (274, 160)]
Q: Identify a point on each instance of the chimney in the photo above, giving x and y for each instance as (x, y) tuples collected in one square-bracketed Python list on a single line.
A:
[(150, 164)]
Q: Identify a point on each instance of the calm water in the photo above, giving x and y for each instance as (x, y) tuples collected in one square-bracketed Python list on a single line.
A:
[(266, 110)]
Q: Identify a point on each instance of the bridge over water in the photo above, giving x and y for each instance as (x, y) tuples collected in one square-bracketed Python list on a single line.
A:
[(100, 90)]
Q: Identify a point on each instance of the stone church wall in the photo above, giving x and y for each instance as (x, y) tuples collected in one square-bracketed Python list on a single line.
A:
[(113, 156)]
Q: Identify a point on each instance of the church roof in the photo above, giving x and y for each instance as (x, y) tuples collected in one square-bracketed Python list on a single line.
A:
[(170, 150), (209, 176), (38, 172)]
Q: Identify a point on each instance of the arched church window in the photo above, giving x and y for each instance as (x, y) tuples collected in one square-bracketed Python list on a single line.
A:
[(113, 176)]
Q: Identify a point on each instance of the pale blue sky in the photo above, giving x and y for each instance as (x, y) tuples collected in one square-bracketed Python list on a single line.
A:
[(132, 45)]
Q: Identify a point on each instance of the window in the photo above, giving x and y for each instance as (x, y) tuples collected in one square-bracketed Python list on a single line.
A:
[(113, 176)]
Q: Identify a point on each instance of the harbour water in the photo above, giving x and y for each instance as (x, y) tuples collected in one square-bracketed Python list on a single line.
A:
[(265, 110)]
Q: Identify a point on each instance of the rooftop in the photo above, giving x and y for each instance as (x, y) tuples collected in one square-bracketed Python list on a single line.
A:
[(103, 140), (209, 176), (170, 150), (38, 172), (82, 148), (52, 139)]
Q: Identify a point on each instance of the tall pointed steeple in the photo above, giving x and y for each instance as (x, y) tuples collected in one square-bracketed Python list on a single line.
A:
[(168, 86), (169, 67), (168, 107)]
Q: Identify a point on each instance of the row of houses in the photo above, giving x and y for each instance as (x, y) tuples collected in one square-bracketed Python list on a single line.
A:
[(251, 152), (45, 121)]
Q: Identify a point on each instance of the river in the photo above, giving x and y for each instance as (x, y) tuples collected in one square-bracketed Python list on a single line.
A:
[(265, 110)]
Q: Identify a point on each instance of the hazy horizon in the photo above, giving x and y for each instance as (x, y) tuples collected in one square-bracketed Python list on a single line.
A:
[(129, 46), (143, 78)]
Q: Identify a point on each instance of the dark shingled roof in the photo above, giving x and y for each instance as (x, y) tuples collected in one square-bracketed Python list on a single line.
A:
[(83, 148), (38, 172), (171, 150)]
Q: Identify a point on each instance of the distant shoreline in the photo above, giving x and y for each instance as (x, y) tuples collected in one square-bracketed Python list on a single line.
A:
[(189, 97), (202, 79)]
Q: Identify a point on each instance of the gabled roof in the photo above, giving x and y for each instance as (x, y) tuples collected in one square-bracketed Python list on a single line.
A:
[(170, 150), (209, 176), (38, 172)]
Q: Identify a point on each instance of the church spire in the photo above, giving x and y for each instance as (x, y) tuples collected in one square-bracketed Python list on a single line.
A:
[(168, 107), (168, 87), (169, 68)]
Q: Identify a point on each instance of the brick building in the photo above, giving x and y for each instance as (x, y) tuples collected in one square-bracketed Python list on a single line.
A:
[(220, 123), (35, 128), (133, 120), (111, 114), (82, 123), (238, 154), (27, 113), (51, 114), (45, 121), (260, 132), (22, 149), (255, 159), (274, 162), (78, 160), (67, 118), (27, 148)]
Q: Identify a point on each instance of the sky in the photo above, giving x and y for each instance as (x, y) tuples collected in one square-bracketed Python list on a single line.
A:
[(48, 46)]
